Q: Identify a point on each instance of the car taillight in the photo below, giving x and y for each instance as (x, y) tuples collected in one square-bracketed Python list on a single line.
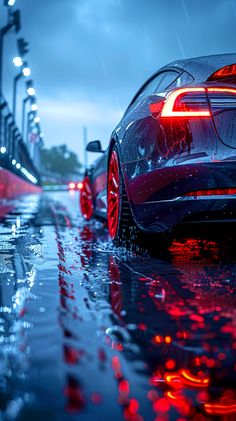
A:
[(156, 108), (194, 102), (186, 102), (224, 72), (72, 186)]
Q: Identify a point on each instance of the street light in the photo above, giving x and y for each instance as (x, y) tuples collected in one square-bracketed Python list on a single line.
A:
[(17, 61), (10, 2), (29, 88), (31, 91), (34, 107), (26, 71), (37, 119)]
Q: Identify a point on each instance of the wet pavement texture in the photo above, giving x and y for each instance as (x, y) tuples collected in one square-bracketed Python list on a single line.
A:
[(91, 332)]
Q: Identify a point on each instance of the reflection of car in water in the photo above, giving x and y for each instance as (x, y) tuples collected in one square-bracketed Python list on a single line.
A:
[(172, 157), (180, 326)]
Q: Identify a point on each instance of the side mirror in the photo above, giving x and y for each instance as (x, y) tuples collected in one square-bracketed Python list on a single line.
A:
[(94, 146)]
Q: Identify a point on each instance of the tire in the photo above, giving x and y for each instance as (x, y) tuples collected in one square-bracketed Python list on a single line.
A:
[(121, 225), (86, 200)]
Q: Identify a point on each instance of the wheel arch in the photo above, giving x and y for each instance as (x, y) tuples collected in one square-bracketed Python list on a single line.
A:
[(115, 142)]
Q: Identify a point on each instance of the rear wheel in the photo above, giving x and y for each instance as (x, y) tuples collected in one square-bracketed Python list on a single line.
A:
[(121, 225), (86, 199)]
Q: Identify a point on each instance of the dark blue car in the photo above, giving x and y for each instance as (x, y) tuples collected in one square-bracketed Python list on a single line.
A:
[(172, 158)]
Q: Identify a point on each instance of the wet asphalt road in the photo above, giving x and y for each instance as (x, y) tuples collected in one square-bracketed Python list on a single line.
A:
[(90, 332)]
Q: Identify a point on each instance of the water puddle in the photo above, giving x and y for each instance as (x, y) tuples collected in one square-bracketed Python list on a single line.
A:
[(88, 331)]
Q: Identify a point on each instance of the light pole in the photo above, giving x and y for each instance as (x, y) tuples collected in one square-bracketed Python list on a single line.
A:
[(9, 141), (15, 132), (31, 94), (25, 100), (23, 49), (13, 21), (25, 71), (37, 143), (33, 123), (85, 145), (30, 118), (6, 118), (2, 106)]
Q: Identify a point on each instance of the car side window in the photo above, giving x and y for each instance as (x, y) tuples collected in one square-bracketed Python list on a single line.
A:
[(150, 87), (168, 78), (158, 84), (183, 79)]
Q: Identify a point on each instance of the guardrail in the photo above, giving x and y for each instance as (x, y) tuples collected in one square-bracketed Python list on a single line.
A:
[(19, 149), (20, 157)]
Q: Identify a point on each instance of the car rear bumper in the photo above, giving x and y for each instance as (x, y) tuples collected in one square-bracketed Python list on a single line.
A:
[(169, 183), (159, 198), (165, 215)]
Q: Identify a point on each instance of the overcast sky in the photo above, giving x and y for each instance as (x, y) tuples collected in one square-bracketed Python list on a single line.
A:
[(89, 57)]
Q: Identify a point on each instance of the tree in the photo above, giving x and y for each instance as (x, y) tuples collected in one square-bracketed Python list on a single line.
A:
[(60, 160)]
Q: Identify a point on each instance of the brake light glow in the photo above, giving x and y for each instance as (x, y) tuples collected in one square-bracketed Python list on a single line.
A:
[(192, 380), (72, 186), (212, 192), (80, 185), (176, 107), (221, 408)]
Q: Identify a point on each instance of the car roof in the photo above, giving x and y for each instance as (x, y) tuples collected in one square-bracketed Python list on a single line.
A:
[(201, 68)]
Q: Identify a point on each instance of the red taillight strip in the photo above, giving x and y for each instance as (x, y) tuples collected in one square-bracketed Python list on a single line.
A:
[(212, 192), (168, 108), (219, 90)]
